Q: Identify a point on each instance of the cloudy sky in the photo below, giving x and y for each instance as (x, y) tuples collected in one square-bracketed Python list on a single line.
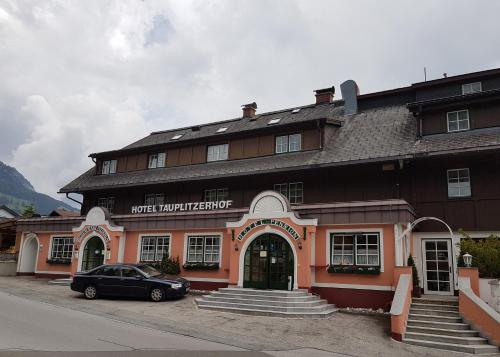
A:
[(85, 76)]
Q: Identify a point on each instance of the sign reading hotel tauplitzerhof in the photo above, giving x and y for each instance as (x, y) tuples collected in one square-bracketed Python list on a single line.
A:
[(182, 207), (270, 222)]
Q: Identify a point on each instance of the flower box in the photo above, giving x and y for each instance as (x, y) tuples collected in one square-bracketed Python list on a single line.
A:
[(201, 266), (354, 269), (59, 261)]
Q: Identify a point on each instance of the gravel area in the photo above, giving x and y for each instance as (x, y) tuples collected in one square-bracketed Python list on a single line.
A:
[(346, 334)]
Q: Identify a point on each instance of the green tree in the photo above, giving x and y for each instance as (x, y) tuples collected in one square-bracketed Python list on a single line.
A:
[(414, 272), (29, 210), (485, 254), (169, 266)]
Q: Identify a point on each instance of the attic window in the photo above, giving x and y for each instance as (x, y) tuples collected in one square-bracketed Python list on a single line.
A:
[(295, 111), (274, 121), (222, 129), (178, 136)]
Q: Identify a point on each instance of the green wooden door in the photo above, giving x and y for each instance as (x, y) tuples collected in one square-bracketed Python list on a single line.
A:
[(93, 254), (268, 263)]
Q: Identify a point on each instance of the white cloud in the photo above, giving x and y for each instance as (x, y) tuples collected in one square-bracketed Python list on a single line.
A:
[(80, 77)]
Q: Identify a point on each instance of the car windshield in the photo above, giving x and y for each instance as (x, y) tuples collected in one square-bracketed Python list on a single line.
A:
[(148, 270)]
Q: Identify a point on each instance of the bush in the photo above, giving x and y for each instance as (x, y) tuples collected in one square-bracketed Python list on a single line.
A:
[(168, 265), (414, 272), (485, 254)]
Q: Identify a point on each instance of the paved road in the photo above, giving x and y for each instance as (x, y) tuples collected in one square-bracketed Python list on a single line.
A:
[(32, 328), (31, 325)]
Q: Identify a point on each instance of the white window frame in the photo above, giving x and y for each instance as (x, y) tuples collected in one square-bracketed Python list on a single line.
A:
[(156, 160), (342, 252), (470, 86), (221, 194), (284, 143), (281, 188), (461, 184), (155, 197), (380, 232), (107, 205), (277, 187), (51, 246), (456, 112), (108, 167), (281, 144), (290, 142), (293, 200), (218, 152), (202, 234), (152, 235)]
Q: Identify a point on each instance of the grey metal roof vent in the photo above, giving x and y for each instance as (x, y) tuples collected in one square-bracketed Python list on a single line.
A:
[(350, 92)]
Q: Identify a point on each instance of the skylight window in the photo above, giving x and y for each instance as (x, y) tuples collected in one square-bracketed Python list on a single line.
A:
[(222, 129), (177, 136), (295, 110), (274, 121)]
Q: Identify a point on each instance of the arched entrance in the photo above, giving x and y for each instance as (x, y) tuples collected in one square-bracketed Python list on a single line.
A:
[(93, 254), (29, 255), (269, 263)]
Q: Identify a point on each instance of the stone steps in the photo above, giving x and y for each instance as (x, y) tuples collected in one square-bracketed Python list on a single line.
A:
[(436, 323), (449, 313), (475, 349), (443, 331), (245, 301), (297, 303), (263, 297)]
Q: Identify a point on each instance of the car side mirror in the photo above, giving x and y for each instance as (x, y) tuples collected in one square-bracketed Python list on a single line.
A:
[(139, 277)]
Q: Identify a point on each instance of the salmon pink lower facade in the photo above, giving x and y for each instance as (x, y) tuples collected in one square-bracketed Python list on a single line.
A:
[(346, 253)]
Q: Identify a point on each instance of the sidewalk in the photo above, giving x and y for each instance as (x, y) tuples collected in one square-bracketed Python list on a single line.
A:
[(352, 335)]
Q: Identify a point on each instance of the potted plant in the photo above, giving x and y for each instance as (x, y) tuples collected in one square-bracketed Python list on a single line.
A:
[(416, 280), (168, 265)]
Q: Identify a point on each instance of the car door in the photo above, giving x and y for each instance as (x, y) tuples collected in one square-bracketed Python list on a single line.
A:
[(132, 282), (108, 281)]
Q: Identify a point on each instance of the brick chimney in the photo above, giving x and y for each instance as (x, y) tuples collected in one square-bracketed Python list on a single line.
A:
[(249, 110), (324, 96)]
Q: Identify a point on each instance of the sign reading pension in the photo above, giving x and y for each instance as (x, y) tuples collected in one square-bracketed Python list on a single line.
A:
[(93, 229), (271, 222), (181, 207)]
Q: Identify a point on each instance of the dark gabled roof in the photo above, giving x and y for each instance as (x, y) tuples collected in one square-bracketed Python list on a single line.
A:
[(416, 106), (11, 211), (238, 125), (380, 134)]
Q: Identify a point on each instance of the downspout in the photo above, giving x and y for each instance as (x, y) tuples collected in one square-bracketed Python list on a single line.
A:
[(72, 199), (321, 134)]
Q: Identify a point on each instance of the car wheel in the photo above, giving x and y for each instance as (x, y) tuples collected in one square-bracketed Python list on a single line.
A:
[(90, 292), (157, 294)]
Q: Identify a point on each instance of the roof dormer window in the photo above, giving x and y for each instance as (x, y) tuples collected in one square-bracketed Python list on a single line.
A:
[(274, 121), (222, 129), (108, 167), (470, 88), (156, 160), (458, 120), (177, 136)]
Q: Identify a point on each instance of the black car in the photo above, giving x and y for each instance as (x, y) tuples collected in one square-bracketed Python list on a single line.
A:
[(134, 280)]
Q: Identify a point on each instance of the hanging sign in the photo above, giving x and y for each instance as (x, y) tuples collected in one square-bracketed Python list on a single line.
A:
[(181, 207), (270, 222)]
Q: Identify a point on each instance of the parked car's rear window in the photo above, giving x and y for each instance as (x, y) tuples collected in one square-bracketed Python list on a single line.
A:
[(129, 273), (148, 270), (111, 271)]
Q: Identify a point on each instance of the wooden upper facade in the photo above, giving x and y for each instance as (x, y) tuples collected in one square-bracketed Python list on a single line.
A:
[(434, 144)]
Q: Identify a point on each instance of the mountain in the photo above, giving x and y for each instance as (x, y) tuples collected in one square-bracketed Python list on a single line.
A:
[(17, 192)]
